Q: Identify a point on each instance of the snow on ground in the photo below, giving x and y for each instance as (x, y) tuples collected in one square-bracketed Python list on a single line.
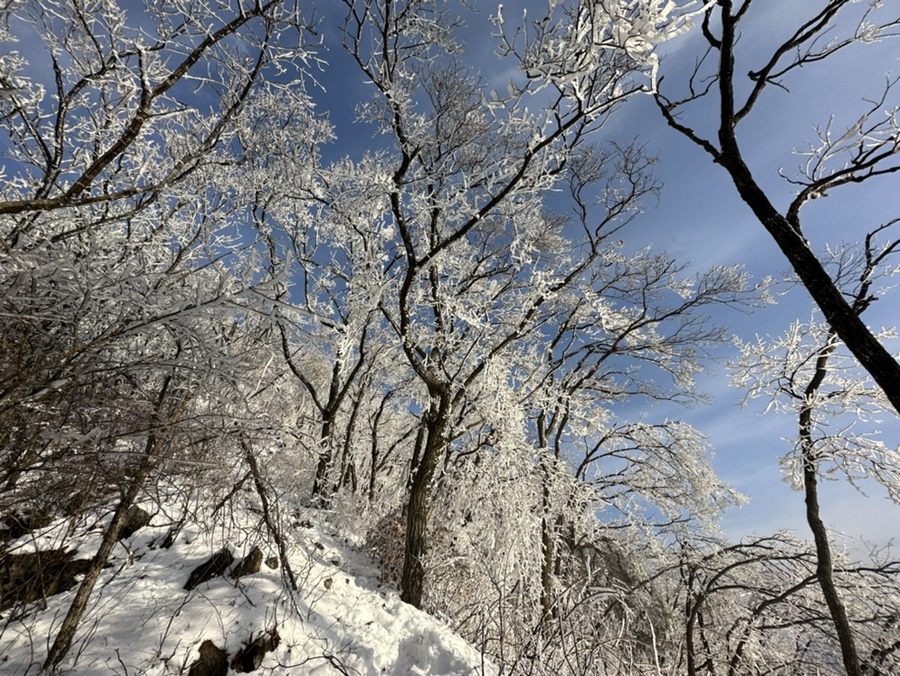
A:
[(142, 621)]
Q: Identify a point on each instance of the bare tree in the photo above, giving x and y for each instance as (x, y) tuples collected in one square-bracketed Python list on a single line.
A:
[(632, 328), (865, 151), (327, 311), (752, 607), (474, 261), (807, 373), (125, 276)]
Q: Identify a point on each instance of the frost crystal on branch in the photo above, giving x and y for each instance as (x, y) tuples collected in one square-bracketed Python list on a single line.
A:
[(572, 40)]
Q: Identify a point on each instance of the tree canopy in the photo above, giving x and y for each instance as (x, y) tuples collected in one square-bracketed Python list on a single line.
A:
[(448, 338)]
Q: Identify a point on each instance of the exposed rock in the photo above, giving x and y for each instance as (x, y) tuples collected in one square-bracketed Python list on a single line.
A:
[(213, 661), (250, 657), (170, 536), (249, 564), (16, 524), (37, 575), (216, 565), (135, 519), (272, 562)]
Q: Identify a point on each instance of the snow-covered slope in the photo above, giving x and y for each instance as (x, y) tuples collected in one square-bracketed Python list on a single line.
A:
[(142, 621)]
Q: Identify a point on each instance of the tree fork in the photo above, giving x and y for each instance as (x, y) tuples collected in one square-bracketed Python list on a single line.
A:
[(786, 232), (840, 315)]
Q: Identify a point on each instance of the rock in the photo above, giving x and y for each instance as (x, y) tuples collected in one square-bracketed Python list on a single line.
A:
[(36, 575), (135, 519), (250, 657), (272, 562), (216, 565), (15, 524), (249, 564), (213, 661)]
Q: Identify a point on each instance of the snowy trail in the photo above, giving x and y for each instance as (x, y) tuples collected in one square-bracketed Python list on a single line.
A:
[(142, 621)]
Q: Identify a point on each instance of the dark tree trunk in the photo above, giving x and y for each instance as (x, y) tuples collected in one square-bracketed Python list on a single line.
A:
[(841, 316), (436, 422), (825, 571), (838, 312), (348, 462), (548, 553), (547, 559), (69, 626), (692, 607), (155, 450), (824, 565), (321, 495)]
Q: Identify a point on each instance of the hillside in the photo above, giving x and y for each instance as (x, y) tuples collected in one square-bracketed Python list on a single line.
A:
[(141, 620)]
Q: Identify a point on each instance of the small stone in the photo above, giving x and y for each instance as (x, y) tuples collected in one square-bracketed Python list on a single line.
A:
[(135, 519), (249, 564), (250, 657), (214, 566), (213, 661)]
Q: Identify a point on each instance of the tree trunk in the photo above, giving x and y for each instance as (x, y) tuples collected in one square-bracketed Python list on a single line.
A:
[(436, 421), (824, 566), (548, 553), (547, 558), (271, 526), (348, 462), (110, 536), (153, 455), (825, 572), (785, 229), (321, 493), (839, 314)]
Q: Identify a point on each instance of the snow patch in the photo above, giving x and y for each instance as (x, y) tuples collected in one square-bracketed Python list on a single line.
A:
[(142, 622)]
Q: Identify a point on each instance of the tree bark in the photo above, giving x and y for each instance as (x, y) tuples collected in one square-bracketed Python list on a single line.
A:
[(63, 640), (436, 421), (824, 565), (548, 553), (548, 556), (838, 312), (825, 572), (321, 491)]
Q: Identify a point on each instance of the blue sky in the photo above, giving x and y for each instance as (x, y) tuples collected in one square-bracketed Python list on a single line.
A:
[(699, 218)]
